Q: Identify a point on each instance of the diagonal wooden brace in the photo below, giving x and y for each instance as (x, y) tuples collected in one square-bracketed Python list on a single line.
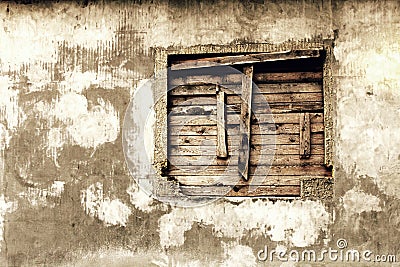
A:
[(245, 122)]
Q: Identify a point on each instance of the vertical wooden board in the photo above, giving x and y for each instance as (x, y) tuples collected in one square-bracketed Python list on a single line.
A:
[(329, 104), (222, 149), (305, 135), (245, 122)]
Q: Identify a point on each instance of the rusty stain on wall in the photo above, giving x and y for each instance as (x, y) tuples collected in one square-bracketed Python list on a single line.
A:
[(67, 72)]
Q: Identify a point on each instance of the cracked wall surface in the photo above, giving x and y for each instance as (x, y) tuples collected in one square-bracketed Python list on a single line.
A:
[(67, 73)]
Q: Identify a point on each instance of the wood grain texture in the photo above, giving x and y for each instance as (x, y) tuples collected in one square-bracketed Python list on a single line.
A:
[(256, 159), (233, 129), (305, 136), (245, 121), (241, 191), (243, 59), (223, 180), (222, 150), (288, 77), (187, 150), (306, 170), (264, 88), (234, 119), (280, 139)]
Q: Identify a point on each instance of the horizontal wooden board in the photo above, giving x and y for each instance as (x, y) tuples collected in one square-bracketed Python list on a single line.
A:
[(234, 119), (213, 79), (284, 88), (257, 99), (281, 139), (202, 89), (287, 77), (284, 77), (257, 108), (241, 192), (264, 150), (307, 170), (243, 59), (233, 129), (255, 159), (253, 180)]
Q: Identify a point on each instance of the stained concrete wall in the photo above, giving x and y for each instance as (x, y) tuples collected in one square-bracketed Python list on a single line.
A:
[(67, 73)]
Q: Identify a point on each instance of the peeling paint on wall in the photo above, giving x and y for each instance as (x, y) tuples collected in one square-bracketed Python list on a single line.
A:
[(298, 223), (5, 206), (40, 197), (238, 255), (356, 201), (110, 211)]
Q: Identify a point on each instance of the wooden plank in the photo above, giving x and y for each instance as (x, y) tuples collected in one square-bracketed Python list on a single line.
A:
[(264, 150), (204, 160), (233, 129), (258, 108), (243, 59), (241, 191), (288, 97), (245, 121), (235, 79), (223, 180), (258, 98), (233, 119), (214, 79), (222, 150), (305, 136), (305, 87), (280, 139), (306, 170), (288, 77), (263, 88), (201, 89)]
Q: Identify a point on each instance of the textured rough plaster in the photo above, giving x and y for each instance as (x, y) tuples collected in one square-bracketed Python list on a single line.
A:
[(112, 212), (67, 73), (5, 206), (298, 223), (38, 196), (238, 255), (356, 201), (368, 104)]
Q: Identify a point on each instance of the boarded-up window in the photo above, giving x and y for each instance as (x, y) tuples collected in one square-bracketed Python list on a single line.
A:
[(218, 123)]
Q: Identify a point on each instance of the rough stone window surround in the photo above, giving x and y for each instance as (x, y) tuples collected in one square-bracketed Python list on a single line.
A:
[(311, 187)]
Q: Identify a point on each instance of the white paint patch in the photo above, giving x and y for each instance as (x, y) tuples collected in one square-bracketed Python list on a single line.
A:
[(4, 137), (70, 107), (357, 201), (98, 126), (238, 255), (56, 139), (111, 212), (10, 114), (93, 26), (142, 201), (298, 223), (164, 260), (76, 81), (88, 128), (40, 197), (38, 77), (5, 207)]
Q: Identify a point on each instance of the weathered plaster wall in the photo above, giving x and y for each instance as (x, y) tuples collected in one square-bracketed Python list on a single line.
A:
[(67, 72)]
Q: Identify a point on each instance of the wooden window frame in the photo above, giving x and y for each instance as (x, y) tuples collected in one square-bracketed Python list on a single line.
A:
[(311, 187)]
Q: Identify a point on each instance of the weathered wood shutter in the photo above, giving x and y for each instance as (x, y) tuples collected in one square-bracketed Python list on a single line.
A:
[(206, 142)]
